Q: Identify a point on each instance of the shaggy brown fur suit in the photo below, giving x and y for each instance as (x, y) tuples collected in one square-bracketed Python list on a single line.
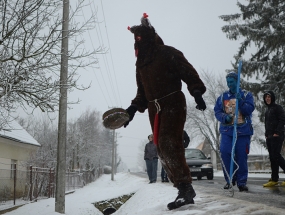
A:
[(159, 71)]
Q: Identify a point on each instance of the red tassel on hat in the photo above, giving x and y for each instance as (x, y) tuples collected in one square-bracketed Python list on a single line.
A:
[(156, 129)]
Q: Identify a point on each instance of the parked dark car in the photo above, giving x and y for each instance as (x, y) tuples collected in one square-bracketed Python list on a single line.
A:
[(200, 166)]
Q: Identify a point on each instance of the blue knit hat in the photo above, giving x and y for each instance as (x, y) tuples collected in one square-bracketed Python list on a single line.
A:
[(232, 74)]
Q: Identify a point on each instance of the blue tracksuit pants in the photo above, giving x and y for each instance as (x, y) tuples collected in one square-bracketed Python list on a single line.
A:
[(241, 152)]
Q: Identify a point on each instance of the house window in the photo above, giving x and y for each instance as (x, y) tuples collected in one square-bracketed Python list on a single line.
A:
[(13, 162)]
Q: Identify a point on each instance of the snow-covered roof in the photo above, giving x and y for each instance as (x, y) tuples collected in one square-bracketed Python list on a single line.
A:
[(16, 132)]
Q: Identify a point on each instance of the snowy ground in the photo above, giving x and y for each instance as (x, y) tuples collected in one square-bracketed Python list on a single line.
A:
[(149, 199)]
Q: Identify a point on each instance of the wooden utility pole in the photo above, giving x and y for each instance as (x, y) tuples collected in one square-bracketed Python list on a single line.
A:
[(113, 157), (115, 140), (62, 116)]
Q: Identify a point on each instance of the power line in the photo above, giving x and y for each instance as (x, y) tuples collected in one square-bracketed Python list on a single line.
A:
[(102, 91), (111, 53), (106, 62)]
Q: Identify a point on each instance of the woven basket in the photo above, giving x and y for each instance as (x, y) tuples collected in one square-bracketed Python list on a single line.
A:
[(115, 118)]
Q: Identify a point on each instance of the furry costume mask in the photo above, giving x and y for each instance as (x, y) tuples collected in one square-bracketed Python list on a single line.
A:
[(145, 37)]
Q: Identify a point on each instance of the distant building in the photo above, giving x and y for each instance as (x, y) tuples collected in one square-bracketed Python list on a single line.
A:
[(16, 147)]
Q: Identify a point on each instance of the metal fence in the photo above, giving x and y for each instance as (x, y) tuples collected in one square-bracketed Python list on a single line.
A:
[(13, 186), (41, 183), (37, 183), (79, 178)]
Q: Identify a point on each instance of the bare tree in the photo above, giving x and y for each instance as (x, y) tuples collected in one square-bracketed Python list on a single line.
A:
[(204, 125), (45, 132), (88, 142), (86, 145), (30, 51)]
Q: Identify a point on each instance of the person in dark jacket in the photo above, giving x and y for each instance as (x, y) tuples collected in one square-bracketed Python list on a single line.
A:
[(225, 114), (186, 141), (151, 159), (274, 134), (160, 70)]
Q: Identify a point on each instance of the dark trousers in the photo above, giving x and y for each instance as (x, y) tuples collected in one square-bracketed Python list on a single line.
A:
[(151, 168), (163, 174), (274, 146)]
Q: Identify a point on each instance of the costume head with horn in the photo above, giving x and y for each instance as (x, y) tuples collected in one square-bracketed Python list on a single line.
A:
[(145, 37)]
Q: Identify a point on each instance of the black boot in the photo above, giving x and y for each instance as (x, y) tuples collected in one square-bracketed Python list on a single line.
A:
[(227, 186), (185, 196), (243, 188)]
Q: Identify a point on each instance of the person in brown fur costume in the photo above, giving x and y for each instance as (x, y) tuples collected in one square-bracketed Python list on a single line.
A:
[(159, 71)]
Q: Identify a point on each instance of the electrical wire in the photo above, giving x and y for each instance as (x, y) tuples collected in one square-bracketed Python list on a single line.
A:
[(110, 51)]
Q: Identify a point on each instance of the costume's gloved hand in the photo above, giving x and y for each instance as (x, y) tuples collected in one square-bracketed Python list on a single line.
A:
[(201, 105), (131, 111), (229, 118)]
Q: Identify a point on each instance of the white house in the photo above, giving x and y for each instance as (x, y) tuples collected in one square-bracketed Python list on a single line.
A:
[(16, 147)]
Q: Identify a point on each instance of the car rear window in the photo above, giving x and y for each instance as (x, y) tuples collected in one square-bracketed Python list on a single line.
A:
[(194, 154)]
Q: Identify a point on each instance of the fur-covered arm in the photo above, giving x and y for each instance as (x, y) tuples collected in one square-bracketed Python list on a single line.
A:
[(140, 100), (187, 73)]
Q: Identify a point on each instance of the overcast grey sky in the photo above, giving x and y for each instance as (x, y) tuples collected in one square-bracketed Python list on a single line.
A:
[(192, 26)]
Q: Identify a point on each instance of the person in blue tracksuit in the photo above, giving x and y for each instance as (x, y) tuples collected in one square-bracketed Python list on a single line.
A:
[(224, 112)]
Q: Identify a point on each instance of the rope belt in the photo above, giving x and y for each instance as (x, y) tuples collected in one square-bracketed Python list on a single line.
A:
[(156, 119)]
